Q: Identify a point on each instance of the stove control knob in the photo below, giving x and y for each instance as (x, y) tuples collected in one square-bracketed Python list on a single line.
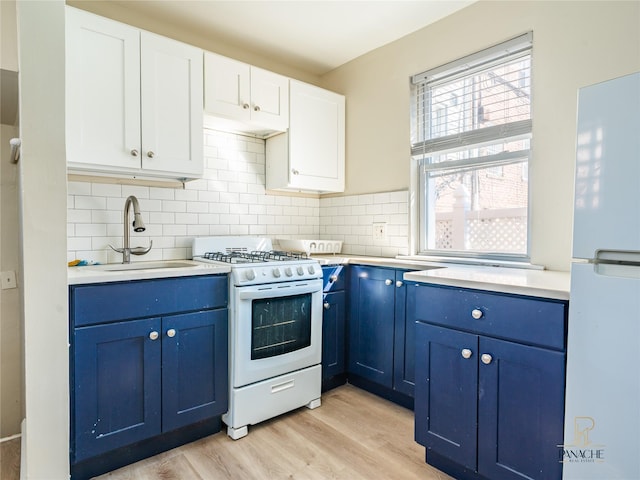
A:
[(250, 274), (288, 272), (311, 270), (276, 272), (300, 271)]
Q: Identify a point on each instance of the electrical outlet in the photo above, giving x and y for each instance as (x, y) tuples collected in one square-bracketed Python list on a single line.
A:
[(8, 279), (379, 231)]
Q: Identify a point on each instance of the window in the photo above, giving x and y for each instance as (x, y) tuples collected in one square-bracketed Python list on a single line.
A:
[(471, 134)]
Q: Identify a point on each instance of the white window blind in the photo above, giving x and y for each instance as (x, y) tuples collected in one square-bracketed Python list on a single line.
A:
[(474, 100)]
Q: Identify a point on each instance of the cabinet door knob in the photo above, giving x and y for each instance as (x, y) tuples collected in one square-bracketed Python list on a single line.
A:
[(399, 283), (150, 154), (388, 281), (245, 106), (327, 305), (154, 335), (294, 171), (466, 353), (486, 358), (476, 313), (256, 108), (134, 152), (333, 278), (171, 333)]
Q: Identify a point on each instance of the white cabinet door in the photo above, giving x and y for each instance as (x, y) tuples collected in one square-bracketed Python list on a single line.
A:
[(254, 98), (227, 87), (310, 157), (103, 92), (269, 99), (171, 85)]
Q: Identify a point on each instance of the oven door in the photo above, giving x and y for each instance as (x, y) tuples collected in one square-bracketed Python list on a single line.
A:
[(275, 329)]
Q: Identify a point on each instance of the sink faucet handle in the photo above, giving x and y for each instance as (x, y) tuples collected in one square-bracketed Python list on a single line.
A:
[(141, 250), (119, 250)]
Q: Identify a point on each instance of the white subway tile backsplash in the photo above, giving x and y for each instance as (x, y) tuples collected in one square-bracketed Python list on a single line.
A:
[(230, 200)]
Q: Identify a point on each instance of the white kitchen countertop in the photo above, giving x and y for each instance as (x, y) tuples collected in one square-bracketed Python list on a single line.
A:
[(98, 274), (521, 281)]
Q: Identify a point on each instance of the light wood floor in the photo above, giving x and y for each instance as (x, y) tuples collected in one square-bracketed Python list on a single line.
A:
[(10, 459), (353, 435)]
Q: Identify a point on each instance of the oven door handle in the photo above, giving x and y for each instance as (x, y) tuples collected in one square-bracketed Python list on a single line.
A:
[(279, 291)]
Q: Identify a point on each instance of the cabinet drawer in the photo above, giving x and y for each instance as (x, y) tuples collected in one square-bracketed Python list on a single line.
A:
[(334, 277), (109, 302), (523, 319)]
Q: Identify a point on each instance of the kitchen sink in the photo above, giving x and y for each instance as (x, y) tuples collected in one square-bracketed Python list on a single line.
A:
[(123, 267)]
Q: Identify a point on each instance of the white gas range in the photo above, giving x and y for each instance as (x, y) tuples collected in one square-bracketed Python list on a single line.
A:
[(275, 328)]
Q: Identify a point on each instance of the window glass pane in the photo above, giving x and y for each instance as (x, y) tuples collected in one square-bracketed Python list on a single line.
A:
[(474, 210)]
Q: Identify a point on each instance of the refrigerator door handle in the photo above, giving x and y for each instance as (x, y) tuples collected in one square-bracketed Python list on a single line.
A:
[(617, 257)]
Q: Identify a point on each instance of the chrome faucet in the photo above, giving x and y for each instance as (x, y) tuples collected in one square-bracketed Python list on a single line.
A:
[(138, 226)]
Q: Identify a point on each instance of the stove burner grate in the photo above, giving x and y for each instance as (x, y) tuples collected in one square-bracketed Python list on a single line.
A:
[(255, 256)]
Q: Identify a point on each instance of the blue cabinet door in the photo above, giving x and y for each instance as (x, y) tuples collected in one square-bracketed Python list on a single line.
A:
[(371, 323), (404, 350), (116, 385), (521, 411), (333, 334), (194, 367), (446, 393)]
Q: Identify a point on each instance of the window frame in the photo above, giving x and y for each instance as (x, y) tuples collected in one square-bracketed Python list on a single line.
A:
[(423, 148)]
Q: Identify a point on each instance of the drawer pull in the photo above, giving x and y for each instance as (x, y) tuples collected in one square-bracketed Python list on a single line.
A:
[(486, 358), (283, 386), (466, 353), (388, 281), (333, 278), (327, 305), (476, 313)]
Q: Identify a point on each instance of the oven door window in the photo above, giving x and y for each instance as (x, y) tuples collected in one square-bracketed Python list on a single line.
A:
[(280, 325)]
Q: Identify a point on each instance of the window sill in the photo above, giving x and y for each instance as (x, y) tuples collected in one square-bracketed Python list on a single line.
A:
[(472, 261)]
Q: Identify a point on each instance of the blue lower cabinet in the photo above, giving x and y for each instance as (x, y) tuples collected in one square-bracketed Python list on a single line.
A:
[(488, 408), (333, 334), (117, 387), (446, 393), (521, 410), (404, 348), (142, 385), (371, 323), (137, 379), (194, 367), (380, 335)]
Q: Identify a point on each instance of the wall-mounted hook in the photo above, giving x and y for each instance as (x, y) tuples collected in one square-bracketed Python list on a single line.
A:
[(15, 149)]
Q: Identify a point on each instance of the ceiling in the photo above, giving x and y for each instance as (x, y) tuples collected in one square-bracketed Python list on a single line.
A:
[(314, 35)]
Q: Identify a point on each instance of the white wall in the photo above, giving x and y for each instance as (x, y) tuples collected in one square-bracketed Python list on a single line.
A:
[(575, 44), (43, 215)]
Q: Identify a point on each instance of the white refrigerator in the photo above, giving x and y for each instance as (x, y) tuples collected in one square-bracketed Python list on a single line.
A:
[(602, 413)]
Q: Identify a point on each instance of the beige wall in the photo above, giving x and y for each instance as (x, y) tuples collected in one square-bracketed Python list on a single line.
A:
[(11, 373), (11, 364), (575, 44)]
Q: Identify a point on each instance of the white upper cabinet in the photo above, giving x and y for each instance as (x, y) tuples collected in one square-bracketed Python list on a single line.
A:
[(134, 101), (310, 156), (241, 97)]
